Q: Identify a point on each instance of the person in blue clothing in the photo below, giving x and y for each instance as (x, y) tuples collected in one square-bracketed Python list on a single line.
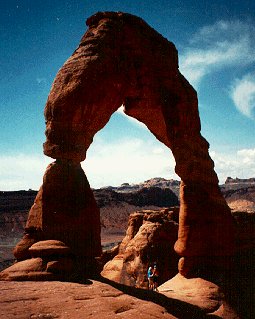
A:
[(150, 276)]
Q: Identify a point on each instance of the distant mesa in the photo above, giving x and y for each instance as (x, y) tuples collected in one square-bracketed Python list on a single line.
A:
[(125, 184), (155, 196), (236, 180)]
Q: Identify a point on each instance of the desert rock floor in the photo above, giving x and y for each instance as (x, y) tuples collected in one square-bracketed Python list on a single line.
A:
[(93, 299)]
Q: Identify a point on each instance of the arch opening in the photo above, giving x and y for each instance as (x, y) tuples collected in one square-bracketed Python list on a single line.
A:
[(126, 151)]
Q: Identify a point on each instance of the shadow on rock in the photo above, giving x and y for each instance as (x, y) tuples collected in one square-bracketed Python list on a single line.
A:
[(180, 309)]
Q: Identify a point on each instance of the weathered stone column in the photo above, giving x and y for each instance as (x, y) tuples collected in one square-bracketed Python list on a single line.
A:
[(64, 210), (205, 237)]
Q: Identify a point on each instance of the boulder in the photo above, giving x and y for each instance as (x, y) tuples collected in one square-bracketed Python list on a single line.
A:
[(48, 260), (196, 291), (49, 248)]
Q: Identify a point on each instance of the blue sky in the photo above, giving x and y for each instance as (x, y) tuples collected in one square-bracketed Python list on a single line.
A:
[(216, 45)]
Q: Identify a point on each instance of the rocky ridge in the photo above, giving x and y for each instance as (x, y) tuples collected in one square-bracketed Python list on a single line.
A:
[(160, 182), (116, 204)]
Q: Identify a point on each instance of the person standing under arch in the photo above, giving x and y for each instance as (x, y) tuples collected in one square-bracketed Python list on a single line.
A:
[(155, 277), (150, 278)]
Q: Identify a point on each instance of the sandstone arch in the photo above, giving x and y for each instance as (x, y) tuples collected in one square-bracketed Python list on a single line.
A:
[(121, 60)]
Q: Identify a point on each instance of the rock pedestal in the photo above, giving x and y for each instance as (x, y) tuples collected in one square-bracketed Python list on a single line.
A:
[(64, 210)]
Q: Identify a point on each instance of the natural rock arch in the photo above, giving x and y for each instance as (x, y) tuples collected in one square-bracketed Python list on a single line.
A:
[(121, 60)]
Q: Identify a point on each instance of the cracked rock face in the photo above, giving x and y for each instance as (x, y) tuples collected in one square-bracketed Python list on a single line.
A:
[(121, 60)]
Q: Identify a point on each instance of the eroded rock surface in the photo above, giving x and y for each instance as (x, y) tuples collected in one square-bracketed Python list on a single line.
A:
[(65, 210), (149, 239), (95, 299), (197, 291), (49, 260)]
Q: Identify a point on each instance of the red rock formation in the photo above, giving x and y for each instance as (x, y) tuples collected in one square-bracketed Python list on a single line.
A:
[(64, 209), (100, 300), (49, 260), (150, 238), (122, 60)]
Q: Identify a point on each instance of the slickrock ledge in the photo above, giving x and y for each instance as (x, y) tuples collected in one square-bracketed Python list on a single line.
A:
[(49, 300)]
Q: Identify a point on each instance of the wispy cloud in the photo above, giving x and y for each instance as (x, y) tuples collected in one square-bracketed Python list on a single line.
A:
[(243, 95), (131, 161), (240, 164), (127, 160), (223, 44), (22, 171)]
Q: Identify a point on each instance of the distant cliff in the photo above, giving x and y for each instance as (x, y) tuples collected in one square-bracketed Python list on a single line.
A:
[(116, 204), (240, 194)]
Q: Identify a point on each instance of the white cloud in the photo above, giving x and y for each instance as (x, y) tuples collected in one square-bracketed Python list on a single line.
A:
[(248, 156), (127, 160), (240, 164), (131, 161), (243, 95), (22, 171), (223, 44)]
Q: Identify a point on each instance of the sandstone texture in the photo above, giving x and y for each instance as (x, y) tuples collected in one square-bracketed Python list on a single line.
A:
[(197, 291), (64, 210), (138, 68), (49, 248), (149, 239), (49, 259), (121, 60), (96, 299), (49, 300)]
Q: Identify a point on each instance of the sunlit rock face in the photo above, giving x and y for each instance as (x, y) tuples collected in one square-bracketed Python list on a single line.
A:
[(65, 209), (149, 240), (121, 60)]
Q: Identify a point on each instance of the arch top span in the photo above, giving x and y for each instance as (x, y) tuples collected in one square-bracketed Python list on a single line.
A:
[(120, 60)]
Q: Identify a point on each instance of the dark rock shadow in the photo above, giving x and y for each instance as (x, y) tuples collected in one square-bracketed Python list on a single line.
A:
[(177, 308), (240, 286)]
